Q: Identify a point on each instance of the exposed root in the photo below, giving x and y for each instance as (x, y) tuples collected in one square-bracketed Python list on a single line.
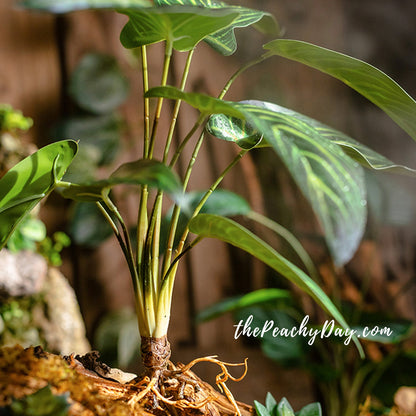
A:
[(173, 382)]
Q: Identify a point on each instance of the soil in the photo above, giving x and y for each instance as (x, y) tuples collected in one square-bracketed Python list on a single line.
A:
[(95, 389)]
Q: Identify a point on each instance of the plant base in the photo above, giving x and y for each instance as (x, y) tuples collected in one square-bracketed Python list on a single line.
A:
[(25, 371)]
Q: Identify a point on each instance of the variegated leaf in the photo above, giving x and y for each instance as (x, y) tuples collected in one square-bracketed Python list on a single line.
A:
[(224, 40), (183, 27), (331, 181)]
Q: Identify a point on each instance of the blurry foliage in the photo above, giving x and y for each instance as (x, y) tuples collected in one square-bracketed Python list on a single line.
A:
[(51, 247), (16, 322), (41, 403), (283, 408), (98, 87), (117, 338)]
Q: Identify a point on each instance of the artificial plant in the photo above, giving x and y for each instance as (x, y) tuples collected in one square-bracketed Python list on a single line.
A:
[(324, 163)]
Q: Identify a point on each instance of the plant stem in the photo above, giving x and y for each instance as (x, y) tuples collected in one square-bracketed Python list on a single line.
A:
[(168, 55), (185, 141), (165, 297), (146, 108), (238, 73), (128, 254), (176, 210), (177, 105)]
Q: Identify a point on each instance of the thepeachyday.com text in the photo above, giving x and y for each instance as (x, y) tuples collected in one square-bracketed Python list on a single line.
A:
[(328, 329)]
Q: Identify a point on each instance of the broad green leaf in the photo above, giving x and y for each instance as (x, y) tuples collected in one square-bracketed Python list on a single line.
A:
[(88, 227), (369, 81), (244, 301), (66, 6), (41, 403), (313, 409), (23, 186), (354, 149), (284, 408), (261, 409), (331, 181), (97, 84), (141, 172), (204, 103), (213, 226), (183, 27), (224, 40)]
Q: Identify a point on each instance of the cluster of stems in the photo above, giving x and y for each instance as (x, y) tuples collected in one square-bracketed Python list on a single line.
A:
[(153, 278)]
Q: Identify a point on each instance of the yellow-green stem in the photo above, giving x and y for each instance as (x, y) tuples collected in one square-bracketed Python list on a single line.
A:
[(177, 106), (165, 297), (166, 64), (146, 108)]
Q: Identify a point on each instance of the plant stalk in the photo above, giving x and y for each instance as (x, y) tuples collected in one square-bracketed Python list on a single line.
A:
[(166, 64)]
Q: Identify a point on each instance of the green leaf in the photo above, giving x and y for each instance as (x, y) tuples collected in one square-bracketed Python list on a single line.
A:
[(369, 81), (213, 226), (331, 181), (183, 27), (24, 186), (270, 402), (242, 301), (66, 6), (204, 103), (97, 84), (386, 331), (141, 172), (313, 409), (354, 149), (232, 129), (88, 227), (224, 40), (260, 409), (284, 408), (41, 403)]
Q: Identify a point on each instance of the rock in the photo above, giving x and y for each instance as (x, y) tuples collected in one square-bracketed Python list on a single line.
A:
[(21, 274), (62, 326)]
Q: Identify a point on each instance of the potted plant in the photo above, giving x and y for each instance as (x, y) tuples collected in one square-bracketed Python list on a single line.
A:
[(323, 162)]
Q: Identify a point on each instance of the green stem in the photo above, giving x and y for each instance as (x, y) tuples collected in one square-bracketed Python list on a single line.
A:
[(185, 141), (146, 107), (166, 64), (176, 210), (177, 106), (128, 254), (238, 73), (165, 297), (290, 238), (142, 224)]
